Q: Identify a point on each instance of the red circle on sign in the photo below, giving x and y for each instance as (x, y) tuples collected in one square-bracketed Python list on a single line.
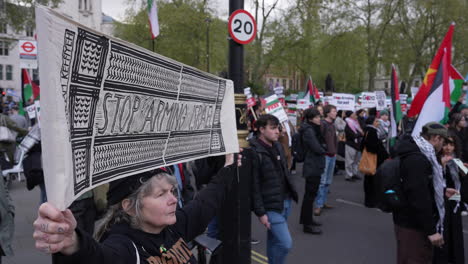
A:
[(28, 46), (231, 32)]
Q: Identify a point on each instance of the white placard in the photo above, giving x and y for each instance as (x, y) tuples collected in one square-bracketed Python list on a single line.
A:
[(303, 104), (113, 109), (343, 101), (381, 97), (274, 107), (31, 111), (368, 100)]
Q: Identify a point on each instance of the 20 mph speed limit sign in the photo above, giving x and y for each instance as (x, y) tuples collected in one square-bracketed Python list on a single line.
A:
[(242, 26)]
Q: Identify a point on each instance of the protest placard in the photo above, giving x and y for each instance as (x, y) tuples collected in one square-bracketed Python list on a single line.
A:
[(343, 101), (112, 109), (381, 97), (274, 107), (403, 102), (303, 104), (368, 100), (31, 111)]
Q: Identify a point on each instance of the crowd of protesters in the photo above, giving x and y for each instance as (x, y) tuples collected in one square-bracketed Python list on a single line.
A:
[(140, 222)]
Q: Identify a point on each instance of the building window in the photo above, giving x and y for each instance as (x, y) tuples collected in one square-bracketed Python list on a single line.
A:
[(85, 5), (29, 31), (3, 28), (9, 73), (284, 83), (1, 72), (290, 84), (3, 48), (386, 85)]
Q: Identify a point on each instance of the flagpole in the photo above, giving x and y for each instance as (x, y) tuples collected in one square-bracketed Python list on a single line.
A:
[(152, 41)]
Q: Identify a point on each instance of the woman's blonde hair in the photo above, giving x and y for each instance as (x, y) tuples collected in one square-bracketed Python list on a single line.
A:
[(117, 214)]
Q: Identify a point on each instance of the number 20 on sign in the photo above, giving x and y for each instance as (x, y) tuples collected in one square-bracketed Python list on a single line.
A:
[(242, 26)]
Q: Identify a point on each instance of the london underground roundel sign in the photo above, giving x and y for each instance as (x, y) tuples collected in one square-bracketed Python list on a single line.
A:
[(242, 26)]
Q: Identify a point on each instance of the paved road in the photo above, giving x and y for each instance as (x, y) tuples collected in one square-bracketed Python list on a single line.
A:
[(352, 234)]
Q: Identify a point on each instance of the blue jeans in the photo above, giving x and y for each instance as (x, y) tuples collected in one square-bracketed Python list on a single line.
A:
[(279, 240), (325, 181)]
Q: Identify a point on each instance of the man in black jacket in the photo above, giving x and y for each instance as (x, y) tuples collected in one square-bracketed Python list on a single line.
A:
[(272, 189), (416, 225)]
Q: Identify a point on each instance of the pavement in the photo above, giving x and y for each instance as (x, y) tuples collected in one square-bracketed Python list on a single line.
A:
[(352, 234)]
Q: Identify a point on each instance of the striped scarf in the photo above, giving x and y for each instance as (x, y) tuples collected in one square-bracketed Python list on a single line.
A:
[(438, 178)]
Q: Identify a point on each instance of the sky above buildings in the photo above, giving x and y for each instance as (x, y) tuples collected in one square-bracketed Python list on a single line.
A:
[(116, 8)]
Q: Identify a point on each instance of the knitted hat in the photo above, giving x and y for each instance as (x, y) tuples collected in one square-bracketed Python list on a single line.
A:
[(384, 112), (435, 128), (122, 188)]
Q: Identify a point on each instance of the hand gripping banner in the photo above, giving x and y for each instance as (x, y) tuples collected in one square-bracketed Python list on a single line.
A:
[(111, 109)]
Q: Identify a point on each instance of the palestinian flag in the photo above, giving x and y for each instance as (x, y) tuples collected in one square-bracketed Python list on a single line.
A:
[(437, 104), (456, 85), (426, 86), (312, 92), (153, 18), (395, 107), (27, 86)]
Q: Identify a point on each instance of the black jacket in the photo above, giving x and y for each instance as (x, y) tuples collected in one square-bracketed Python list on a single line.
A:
[(314, 147), (353, 139), (373, 144), (416, 172), (120, 244), (272, 181)]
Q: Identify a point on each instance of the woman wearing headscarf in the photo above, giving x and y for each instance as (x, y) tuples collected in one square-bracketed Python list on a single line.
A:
[(372, 144), (353, 133), (453, 249)]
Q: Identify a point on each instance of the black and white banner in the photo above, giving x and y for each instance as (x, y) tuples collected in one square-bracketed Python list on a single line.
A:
[(111, 109)]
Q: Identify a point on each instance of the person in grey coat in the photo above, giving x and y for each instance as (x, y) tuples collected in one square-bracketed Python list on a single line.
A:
[(314, 165), (7, 227)]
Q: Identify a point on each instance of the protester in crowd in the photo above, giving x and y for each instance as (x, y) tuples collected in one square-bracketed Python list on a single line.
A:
[(273, 189), (314, 165), (320, 109), (419, 224), (453, 250), (384, 125), (354, 135), (143, 222), (362, 115), (7, 226), (287, 129), (456, 129), (340, 125), (374, 145), (10, 146), (329, 134), (18, 119)]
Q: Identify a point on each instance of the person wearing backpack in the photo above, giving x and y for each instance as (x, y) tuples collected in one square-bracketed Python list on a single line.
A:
[(273, 189), (419, 221), (314, 165)]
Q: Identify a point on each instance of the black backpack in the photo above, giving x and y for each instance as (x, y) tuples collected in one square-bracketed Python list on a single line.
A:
[(298, 147), (389, 185)]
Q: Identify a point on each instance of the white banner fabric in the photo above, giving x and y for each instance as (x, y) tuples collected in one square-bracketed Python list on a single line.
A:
[(112, 109)]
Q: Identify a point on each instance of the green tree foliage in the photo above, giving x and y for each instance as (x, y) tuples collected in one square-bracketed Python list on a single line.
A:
[(20, 13), (183, 33)]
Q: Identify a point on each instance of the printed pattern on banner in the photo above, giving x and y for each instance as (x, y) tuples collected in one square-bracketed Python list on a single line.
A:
[(368, 100), (126, 110), (381, 97)]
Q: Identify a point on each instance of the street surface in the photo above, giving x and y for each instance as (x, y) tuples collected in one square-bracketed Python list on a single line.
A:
[(352, 234)]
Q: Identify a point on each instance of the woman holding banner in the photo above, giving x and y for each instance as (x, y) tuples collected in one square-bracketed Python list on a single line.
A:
[(143, 224)]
